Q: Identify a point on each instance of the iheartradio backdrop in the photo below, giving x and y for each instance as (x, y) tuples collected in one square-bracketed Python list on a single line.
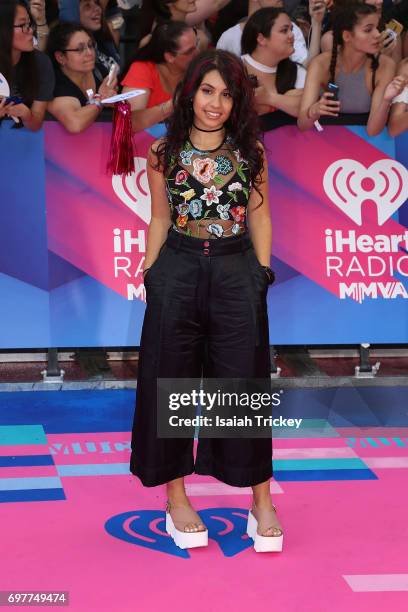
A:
[(73, 239)]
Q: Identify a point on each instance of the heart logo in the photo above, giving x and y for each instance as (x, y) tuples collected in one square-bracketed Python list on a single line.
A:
[(348, 184), (226, 526), (133, 190)]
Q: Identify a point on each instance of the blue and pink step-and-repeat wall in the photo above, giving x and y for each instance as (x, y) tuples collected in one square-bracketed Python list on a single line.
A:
[(73, 239)]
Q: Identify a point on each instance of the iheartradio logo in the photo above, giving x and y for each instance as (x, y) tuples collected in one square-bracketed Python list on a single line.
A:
[(133, 190), (349, 184)]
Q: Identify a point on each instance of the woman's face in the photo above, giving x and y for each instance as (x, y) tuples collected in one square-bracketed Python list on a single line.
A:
[(183, 6), (212, 103), (365, 36), (281, 38), (187, 48), (79, 54), (90, 15), (22, 37)]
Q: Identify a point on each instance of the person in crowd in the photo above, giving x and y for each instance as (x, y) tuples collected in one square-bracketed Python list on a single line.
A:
[(390, 44), (267, 46), (91, 17), (72, 50), (365, 78), (28, 71), (38, 11), (157, 68), (206, 274), (398, 122), (192, 12), (230, 40)]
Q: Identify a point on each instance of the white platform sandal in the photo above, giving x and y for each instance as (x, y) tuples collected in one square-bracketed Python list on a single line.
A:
[(269, 543), (176, 529)]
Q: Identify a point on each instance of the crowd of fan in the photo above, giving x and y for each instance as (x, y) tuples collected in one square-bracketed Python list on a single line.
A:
[(309, 60)]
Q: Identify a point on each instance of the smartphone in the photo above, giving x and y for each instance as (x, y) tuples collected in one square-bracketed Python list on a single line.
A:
[(14, 100), (333, 89), (395, 26)]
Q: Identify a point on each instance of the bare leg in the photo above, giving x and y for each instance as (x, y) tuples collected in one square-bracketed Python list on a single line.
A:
[(179, 504), (262, 509)]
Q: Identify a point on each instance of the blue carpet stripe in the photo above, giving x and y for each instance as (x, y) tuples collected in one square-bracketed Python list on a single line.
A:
[(305, 475), (93, 469), (25, 460), (320, 464), (21, 434), (31, 495), (42, 482)]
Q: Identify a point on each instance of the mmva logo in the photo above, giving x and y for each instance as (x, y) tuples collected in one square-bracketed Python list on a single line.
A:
[(348, 184), (133, 190)]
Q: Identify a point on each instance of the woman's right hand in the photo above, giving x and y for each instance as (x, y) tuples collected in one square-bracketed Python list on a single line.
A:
[(107, 91), (325, 107)]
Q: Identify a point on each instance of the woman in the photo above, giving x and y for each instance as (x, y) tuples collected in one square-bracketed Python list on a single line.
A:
[(365, 79), (398, 122), (206, 275), (389, 44), (72, 50), (157, 68), (28, 71), (192, 12), (267, 44), (91, 17)]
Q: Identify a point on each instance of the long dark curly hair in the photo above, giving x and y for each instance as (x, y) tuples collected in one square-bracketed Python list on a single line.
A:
[(242, 126), (345, 18)]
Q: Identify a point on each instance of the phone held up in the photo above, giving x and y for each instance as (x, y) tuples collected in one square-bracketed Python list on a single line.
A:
[(333, 89)]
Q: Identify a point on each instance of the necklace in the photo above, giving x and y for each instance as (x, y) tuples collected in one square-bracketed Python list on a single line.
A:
[(208, 131), (258, 66)]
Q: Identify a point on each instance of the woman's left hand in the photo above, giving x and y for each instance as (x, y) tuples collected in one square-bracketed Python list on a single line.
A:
[(317, 10), (107, 91), (37, 8), (394, 88), (19, 110)]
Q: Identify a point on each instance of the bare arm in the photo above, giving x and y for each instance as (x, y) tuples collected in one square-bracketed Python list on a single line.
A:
[(32, 118), (385, 89), (317, 9), (204, 10), (160, 219), (143, 117), (288, 102), (259, 219), (74, 117), (398, 122), (313, 106)]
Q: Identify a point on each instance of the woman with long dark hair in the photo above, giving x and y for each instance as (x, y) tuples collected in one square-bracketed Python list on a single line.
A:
[(157, 68), (92, 17), (28, 71), (72, 50), (267, 44), (206, 274), (365, 79), (390, 44)]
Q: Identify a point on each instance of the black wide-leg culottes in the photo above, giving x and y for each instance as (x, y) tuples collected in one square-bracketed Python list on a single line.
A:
[(206, 315)]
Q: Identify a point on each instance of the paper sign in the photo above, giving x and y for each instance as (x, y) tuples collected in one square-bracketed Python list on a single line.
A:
[(124, 96)]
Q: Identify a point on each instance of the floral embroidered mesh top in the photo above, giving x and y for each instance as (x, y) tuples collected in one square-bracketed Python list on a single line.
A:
[(208, 191)]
